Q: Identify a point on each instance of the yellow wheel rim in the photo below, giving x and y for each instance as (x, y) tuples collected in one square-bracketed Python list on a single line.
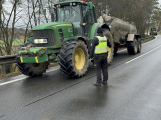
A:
[(79, 59), (109, 52), (108, 49)]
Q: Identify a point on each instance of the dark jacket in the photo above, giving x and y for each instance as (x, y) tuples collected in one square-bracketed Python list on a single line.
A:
[(94, 43)]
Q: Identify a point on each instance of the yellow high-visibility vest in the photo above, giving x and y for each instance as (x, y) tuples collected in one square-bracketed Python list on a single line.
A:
[(102, 46)]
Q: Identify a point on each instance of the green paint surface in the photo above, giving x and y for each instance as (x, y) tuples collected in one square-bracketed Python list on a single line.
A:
[(94, 27), (40, 59), (90, 5)]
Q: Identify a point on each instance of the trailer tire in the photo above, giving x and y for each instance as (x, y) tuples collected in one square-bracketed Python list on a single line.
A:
[(132, 47), (139, 46), (108, 34), (74, 59), (31, 69)]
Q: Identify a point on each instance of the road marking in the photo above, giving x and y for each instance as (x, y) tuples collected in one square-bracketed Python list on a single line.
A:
[(122, 50), (52, 70), (142, 44), (5, 83), (20, 79), (143, 54)]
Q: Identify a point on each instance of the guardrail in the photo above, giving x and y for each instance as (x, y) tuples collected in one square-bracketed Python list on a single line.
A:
[(7, 59), (11, 58)]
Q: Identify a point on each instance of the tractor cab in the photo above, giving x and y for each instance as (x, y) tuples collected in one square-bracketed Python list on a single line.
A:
[(80, 14)]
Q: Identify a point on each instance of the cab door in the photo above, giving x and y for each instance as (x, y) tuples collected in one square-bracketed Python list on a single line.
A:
[(88, 19)]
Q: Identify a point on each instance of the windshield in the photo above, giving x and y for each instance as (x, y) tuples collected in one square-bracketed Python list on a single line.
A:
[(153, 29), (69, 14)]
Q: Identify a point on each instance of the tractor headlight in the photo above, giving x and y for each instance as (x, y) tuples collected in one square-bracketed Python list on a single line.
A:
[(37, 41)]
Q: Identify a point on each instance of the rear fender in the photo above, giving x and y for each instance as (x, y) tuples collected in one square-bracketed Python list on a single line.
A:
[(84, 39), (131, 37), (95, 27)]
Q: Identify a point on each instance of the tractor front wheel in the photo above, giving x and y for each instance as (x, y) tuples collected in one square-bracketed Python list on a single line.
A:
[(31, 69)]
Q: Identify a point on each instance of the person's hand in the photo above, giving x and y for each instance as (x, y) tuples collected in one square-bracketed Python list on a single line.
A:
[(92, 59)]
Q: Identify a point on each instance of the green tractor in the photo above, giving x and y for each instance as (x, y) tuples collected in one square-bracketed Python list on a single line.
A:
[(65, 40), (153, 31)]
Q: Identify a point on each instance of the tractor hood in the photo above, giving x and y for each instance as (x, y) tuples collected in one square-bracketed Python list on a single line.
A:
[(51, 25)]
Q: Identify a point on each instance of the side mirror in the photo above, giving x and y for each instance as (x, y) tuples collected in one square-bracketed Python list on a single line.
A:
[(90, 6), (83, 24)]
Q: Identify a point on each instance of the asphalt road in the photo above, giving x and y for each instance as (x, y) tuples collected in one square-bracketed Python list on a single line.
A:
[(133, 92)]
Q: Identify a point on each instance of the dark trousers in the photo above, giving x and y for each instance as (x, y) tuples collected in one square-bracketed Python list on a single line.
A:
[(100, 64)]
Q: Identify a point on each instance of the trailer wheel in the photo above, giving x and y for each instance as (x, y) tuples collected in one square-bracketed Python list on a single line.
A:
[(108, 34), (132, 47), (31, 69), (74, 59), (115, 51), (139, 46)]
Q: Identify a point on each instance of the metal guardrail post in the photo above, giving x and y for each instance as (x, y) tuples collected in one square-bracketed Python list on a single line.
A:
[(3, 69)]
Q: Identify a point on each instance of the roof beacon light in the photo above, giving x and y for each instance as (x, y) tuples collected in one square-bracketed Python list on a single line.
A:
[(84, 0)]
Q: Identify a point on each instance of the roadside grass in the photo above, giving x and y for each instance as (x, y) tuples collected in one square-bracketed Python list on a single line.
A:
[(159, 33), (1, 42), (15, 45), (13, 50), (18, 42), (147, 40), (15, 42), (16, 72)]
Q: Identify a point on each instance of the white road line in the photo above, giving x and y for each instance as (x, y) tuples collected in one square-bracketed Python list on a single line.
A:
[(142, 44), (121, 50), (52, 70), (143, 54), (20, 79), (5, 83)]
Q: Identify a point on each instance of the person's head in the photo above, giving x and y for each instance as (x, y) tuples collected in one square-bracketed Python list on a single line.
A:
[(104, 12), (99, 30)]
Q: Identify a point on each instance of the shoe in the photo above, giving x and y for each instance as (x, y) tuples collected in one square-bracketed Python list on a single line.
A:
[(104, 82), (97, 84)]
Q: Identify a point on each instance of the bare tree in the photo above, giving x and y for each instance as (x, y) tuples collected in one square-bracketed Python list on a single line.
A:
[(138, 12), (8, 20)]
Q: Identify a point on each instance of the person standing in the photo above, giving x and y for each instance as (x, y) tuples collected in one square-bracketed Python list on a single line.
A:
[(99, 54)]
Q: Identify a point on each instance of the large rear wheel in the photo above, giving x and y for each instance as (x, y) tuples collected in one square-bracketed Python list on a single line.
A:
[(74, 59), (108, 35)]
